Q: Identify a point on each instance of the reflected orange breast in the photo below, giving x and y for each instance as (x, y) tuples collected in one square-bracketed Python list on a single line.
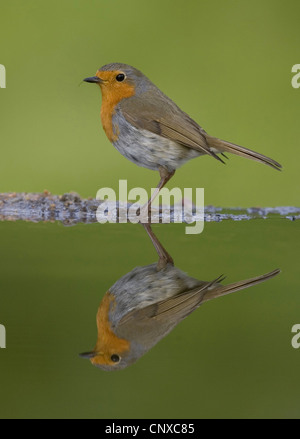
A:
[(108, 343)]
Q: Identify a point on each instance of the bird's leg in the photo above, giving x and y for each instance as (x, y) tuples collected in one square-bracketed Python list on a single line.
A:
[(165, 176), (164, 257)]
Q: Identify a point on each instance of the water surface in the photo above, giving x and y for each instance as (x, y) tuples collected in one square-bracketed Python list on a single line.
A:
[(230, 358)]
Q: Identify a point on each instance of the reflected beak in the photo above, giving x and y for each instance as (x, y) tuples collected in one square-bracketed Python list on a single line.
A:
[(94, 80), (88, 355)]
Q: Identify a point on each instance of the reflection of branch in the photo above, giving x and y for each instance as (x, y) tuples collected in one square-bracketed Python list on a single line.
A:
[(71, 209)]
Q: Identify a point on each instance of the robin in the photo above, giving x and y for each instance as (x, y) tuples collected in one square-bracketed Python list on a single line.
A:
[(150, 130), (146, 304)]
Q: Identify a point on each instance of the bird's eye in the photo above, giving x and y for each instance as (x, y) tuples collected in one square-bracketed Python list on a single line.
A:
[(115, 358), (120, 77)]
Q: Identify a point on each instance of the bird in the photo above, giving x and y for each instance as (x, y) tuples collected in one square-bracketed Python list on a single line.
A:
[(146, 304), (150, 130)]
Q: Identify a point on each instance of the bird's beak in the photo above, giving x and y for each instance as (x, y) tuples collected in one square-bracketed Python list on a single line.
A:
[(88, 355), (94, 80)]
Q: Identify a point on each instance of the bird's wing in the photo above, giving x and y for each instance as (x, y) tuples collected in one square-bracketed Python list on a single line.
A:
[(181, 305), (150, 324), (158, 114), (170, 311)]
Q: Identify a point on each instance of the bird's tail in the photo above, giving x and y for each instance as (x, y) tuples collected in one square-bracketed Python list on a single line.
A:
[(223, 146), (221, 290)]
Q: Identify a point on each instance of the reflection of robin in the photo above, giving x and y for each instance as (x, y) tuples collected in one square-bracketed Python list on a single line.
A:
[(146, 304), (150, 130)]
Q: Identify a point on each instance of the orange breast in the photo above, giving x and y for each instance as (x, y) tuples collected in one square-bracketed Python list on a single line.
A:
[(112, 94), (108, 343)]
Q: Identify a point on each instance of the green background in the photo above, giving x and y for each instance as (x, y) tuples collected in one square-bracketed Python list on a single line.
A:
[(228, 64)]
